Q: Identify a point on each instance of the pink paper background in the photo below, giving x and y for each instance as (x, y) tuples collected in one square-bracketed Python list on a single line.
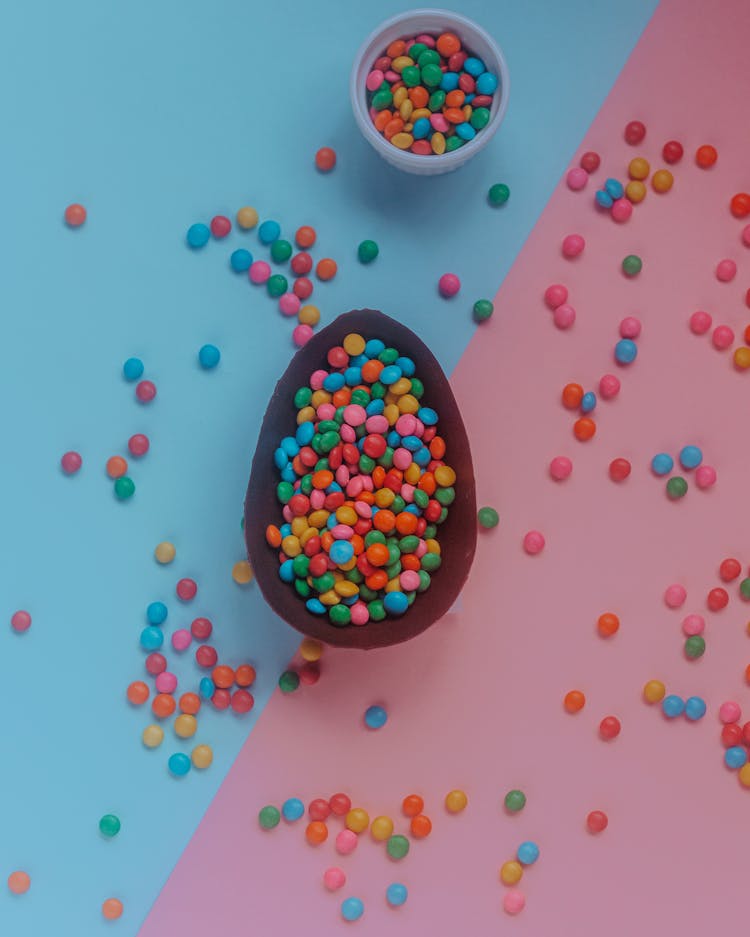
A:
[(476, 702)]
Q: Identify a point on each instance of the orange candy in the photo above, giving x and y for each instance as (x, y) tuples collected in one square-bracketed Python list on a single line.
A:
[(412, 805), (377, 580), (377, 553), (572, 395), (190, 703), (112, 909), (607, 624), (75, 215), (316, 833), (138, 693), (747, 673), (437, 447), (322, 478), (584, 428), (325, 159), (384, 521), (163, 705), (574, 701), (371, 370), (706, 156), (421, 826), (418, 96), (273, 536), (326, 269), (394, 126), (382, 120), (223, 676), (406, 523), (19, 882), (454, 115), (116, 466), (448, 44), (244, 675), (305, 236), (455, 98), (396, 48)]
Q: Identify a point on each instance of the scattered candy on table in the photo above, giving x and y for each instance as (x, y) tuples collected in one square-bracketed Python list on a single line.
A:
[(75, 215), (375, 717)]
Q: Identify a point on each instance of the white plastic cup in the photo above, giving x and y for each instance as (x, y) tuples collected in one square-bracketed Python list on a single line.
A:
[(474, 39)]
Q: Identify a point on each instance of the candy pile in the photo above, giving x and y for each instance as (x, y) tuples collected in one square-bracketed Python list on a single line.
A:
[(364, 487), (690, 458), (511, 873), (693, 708), (736, 740), (356, 821), (428, 95)]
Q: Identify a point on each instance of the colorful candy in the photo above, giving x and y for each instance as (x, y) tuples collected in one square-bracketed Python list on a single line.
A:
[(448, 285), (375, 717), (498, 194), (483, 309), (352, 909), (597, 821), (20, 621), (75, 215), (488, 518), (632, 265), (396, 894), (367, 252), (635, 132), (456, 801), (515, 801), (325, 159), (208, 356), (71, 462)]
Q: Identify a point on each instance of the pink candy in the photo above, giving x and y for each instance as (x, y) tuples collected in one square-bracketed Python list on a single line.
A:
[(166, 682), (71, 462), (564, 316), (259, 271), (556, 295), (181, 639), (289, 304), (609, 386), (722, 337), (355, 415), (409, 580), (573, 245), (302, 334), (21, 621), (560, 468), (334, 878), (675, 595), (622, 209), (438, 122), (346, 842), (730, 712), (145, 391), (746, 235), (726, 270), (533, 542), (449, 285), (186, 589), (700, 322), (705, 476), (374, 80), (360, 613), (693, 624), (630, 327), (514, 901), (577, 178)]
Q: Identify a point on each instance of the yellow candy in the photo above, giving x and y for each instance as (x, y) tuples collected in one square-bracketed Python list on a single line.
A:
[(511, 872), (437, 142), (405, 110), (304, 537), (290, 546), (402, 386), (152, 736), (350, 564), (384, 497), (310, 649), (319, 519), (319, 397), (165, 552), (337, 575), (247, 217), (354, 344), (635, 191), (309, 315), (412, 474), (400, 63), (299, 526), (390, 398), (420, 112), (468, 110), (357, 820), (744, 775), (393, 585), (662, 180), (402, 140), (408, 404), (346, 515), (345, 588), (202, 756), (445, 476), (329, 598), (390, 412), (242, 573), (399, 96), (455, 801), (432, 546), (742, 358), (653, 691), (305, 415), (408, 127), (381, 828), (185, 726), (638, 168)]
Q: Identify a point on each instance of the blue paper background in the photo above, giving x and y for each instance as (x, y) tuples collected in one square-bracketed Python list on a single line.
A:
[(155, 115)]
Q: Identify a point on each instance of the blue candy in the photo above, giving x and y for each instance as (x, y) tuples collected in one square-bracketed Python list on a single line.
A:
[(390, 374), (626, 351), (662, 464), (375, 407), (588, 402), (406, 364), (206, 687), (288, 474), (280, 459), (290, 445), (673, 706), (412, 443), (527, 853), (690, 457), (198, 235), (286, 571), (396, 894), (603, 199), (292, 809), (240, 260), (374, 347), (132, 369), (395, 603), (735, 757), (209, 356), (427, 415), (334, 382), (315, 606), (375, 716), (285, 530), (341, 551), (152, 638), (305, 433), (422, 457), (269, 232), (486, 83), (156, 613), (179, 764), (393, 439), (695, 708), (465, 131), (614, 188), (474, 66), (352, 909), (449, 81), (422, 128), (353, 376)]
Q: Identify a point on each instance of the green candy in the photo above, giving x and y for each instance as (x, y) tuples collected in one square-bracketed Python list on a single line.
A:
[(431, 562), (632, 265), (302, 588), (277, 285), (445, 496), (360, 396), (382, 99), (386, 459), (393, 570), (301, 565), (483, 309), (421, 498), (443, 515), (499, 194), (329, 441), (408, 544), (366, 594), (339, 415), (354, 575), (109, 825), (695, 647), (324, 583), (367, 252), (366, 464), (676, 488), (376, 610), (288, 683), (515, 801), (417, 387), (430, 532), (284, 491), (479, 118), (124, 488), (374, 536), (397, 846), (389, 355), (745, 588), (411, 77), (398, 504), (325, 426), (424, 581), (453, 143), (378, 390), (316, 442), (488, 518), (306, 485), (427, 57), (269, 817), (437, 100), (410, 596), (340, 615), (432, 75), (281, 250), (303, 397), (416, 49)]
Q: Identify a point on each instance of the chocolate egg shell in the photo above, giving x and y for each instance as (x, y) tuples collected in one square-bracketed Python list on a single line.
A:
[(457, 534)]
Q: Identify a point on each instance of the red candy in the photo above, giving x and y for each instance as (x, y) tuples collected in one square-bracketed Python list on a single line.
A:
[(619, 469), (201, 629), (590, 161), (156, 663), (319, 809), (75, 215), (731, 734), (206, 656), (71, 463), (729, 569), (597, 821), (609, 727), (138, 445), (635, 132), (717, 599), (242, 701), (220, 226), (325, 159), (145, 391), (301, 263), (221, 699), (186, 589), (302, 288), (706, 156), (740, 205), (340, 804), (672, 151)]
